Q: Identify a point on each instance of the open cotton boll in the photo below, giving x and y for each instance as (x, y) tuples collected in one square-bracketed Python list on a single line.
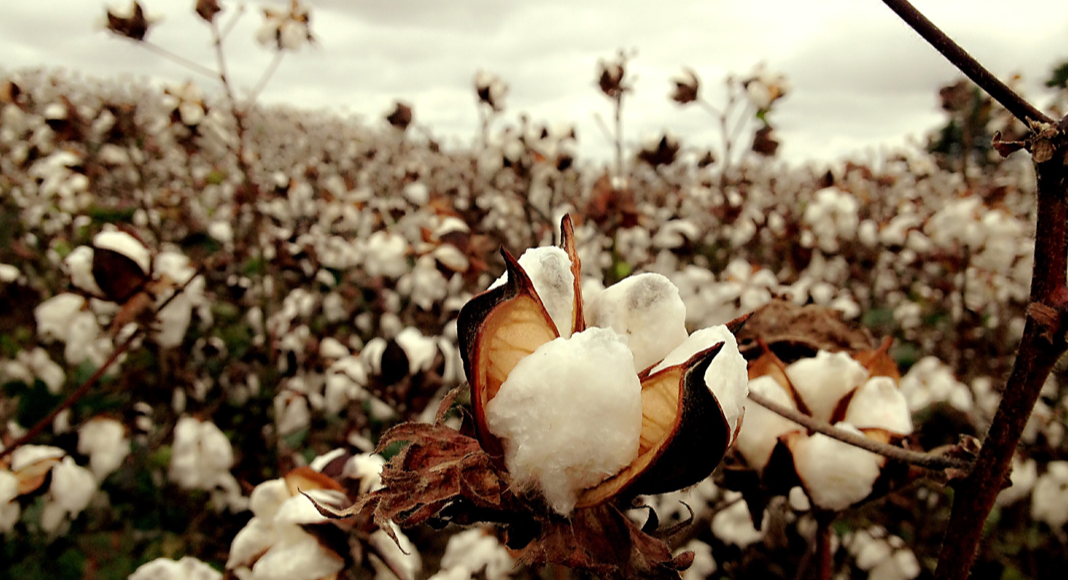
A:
[(105, 442), (727, 375), (762, 428), (824, 379), (879, 403), (836, 475), (647, 310), (297, 555), (188, 568), (127, 245), (569, 415)]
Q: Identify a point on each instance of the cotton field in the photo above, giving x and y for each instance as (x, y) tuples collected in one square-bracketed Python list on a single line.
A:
[(210, 321)]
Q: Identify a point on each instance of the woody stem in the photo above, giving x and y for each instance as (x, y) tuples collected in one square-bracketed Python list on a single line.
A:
[(929, 461)]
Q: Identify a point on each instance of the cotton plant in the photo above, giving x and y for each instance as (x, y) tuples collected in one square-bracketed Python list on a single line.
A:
[(854, 389), (580, 403), (71, 487), (287, 536), (201, 458)]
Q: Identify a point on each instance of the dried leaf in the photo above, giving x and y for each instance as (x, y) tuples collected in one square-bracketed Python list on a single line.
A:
[(604, 541), (207, 9)]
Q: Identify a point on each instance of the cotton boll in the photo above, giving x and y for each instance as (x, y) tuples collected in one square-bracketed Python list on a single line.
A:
[(735, 526), (726, 376), (125, 244), (645, 308), (476, 551), (835, 475), (188, 568), (762, 428), (105, 442), (1049, 500), (297, 555), (72, 488), (1023, 477), (704, 565), (879, 403), (569, 415), (54, 315), (824, 379), (267, 497), (403, 556), (419, 349), (549, 269)]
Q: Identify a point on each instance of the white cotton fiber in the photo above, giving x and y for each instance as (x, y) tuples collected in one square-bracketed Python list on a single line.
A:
[(762, 428), (824, 379), (727, 375), (570, 415), (645, 308), (879, 403), (549, 269), (836, 475)]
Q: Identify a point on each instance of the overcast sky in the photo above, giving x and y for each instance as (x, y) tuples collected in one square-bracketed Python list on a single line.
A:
[(860, 78)]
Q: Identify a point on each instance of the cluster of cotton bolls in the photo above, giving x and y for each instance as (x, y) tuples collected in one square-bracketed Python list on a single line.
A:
[(313, 271)]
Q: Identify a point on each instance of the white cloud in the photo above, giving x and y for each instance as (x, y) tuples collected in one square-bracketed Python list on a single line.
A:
[(860, 77)]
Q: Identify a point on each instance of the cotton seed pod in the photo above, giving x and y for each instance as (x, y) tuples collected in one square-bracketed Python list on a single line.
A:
[(686, 405), (855, 392), (121, 265)]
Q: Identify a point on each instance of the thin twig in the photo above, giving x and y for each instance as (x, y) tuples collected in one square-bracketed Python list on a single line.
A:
[(967, 64), (233, 20), (72, 398), (267, 74), (193, 66), (924, 460), (95, 378)]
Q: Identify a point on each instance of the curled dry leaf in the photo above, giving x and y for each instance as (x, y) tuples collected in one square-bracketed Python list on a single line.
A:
[(445, 476)]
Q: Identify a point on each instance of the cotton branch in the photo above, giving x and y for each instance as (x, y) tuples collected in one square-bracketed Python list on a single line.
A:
[(91, 381), (1043, 341), (925, 460), (967, 64)]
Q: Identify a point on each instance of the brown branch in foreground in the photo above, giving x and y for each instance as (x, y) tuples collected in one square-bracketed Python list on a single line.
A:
[(71, 399), (925, 460), (967, 64), (1042, 345), (94, 379)]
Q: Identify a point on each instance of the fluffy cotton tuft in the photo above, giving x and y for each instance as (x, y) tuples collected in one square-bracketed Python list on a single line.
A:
[(1049, 500), (836, 475), (762, 428), (188, 568), (645, 308), (824, 379), (879, 403), (727, 376), (549, 269), (570, 415), (105, 442)]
